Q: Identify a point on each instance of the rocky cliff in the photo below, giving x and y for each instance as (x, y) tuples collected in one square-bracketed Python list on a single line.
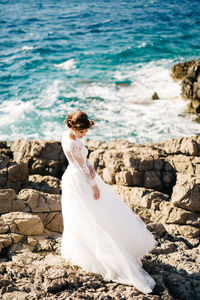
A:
[(160, 182), (189, 74)]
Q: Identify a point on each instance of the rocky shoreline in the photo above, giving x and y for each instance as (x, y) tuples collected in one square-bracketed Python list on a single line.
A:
[(160, 182), (189, 74)]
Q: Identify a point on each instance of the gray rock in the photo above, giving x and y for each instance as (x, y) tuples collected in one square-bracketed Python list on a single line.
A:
[(6, 198), (189, 73), (186, 193)]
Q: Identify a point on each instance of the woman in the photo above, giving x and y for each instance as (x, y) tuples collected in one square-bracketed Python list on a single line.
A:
[(101, 233)]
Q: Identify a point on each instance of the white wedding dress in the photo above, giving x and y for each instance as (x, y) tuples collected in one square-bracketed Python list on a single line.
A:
[(103, 236)]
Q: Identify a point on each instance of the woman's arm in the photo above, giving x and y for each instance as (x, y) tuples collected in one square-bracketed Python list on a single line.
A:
[(75, 151), (75, 154), (92, 170)]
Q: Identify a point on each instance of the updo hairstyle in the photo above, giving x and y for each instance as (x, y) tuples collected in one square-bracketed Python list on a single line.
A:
[(78, 120)]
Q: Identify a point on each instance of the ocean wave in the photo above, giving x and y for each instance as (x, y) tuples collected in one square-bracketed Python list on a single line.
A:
[(27, 48), (142, 45), (67, 65)]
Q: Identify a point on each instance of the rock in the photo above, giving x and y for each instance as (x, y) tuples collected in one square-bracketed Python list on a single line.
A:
[(31, 241), (16, 238), (4, 161), (95, 144), (155, 96), (17, 175), (148, 198), (18, 171), (139, 162), (179, 287), (137, 178), (19, 205), (4, 228), (23, 223), (190, 83), (113, 160), (6, 198), (186, 146), (180, 216), (31, 223), (182, 164), (189, 73), (54, 222), (156, 228), (180, 70), (189, 231), (45, 167), (108, 176), (5, 241), (3, 178), (165, 248), (152, 179), (47, 184), (17, 295), (124, 178), (186, 194), (40, 202), (55, 280), (43, 244), (24, 149), (44, 158)]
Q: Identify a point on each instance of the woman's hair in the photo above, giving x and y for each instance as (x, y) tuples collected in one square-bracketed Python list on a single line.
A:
[(78, 120)]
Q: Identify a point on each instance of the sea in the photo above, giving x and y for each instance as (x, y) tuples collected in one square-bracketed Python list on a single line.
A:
[(104, 57)]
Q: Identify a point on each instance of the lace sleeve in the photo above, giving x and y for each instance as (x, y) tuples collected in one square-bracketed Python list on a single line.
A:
[(76, 154)]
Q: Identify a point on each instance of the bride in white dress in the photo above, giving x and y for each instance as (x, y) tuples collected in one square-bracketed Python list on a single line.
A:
[(101, 233)]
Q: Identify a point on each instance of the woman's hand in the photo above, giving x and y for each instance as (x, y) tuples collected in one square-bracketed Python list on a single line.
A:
[(92, 172), (96, 192)]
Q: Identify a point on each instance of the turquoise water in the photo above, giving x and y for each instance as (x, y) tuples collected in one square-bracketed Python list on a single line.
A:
[(104, 57)]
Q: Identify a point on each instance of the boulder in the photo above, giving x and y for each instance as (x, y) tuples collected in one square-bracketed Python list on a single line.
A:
[(113, 160), (23, 223), (184, 145), (54, 222), (46, 183), (39, 201), (189, 73), (152, 179), (186, 193), (124, 178), (180, 70), (44, 158), (4, 161), (139, 162), (25, 149), (108, 176), (155, 96), (6, 198), (55, 279), (3, 178), (180, 216), (17, 175), (5, 241)]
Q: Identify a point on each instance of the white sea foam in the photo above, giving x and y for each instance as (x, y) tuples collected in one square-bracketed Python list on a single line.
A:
[(128, 111), (14, 111), (9, 59), (49, 95), (16, 118), (122, 111), (147, 79), (107, 21), (142, 45), (27, 48), (67, 65)]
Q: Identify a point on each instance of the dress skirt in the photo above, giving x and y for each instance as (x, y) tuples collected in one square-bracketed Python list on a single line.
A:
[(103, 236)]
